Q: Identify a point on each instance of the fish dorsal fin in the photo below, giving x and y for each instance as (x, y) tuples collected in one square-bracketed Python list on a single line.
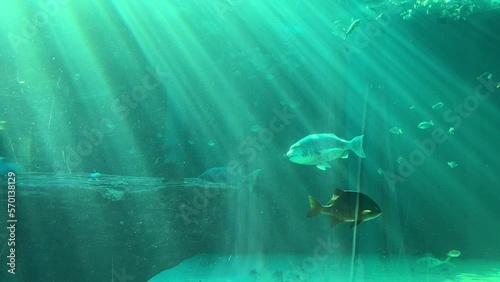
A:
[(345, 155), (251, 179), (336, 193)]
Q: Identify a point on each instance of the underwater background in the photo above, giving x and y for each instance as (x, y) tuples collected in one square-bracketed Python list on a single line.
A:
[(165, 90)]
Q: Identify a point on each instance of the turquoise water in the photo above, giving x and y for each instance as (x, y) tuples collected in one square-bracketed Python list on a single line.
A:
[(119, 96)]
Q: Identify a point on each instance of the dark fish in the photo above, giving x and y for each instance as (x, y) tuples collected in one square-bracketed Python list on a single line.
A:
[(230, 177), (342, 208)]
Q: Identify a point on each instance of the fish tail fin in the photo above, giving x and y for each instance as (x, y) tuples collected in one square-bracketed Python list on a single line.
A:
[(316, 207), (252, 178), (357, 146)]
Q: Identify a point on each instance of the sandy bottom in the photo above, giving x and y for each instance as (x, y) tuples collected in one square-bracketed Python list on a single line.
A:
[(294, 268)]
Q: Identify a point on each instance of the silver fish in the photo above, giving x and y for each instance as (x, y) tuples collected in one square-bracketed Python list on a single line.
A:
[(425, 124), (485, 75), (438, 105), (319, 149), (428, 262), (396, 130), (353, 25)]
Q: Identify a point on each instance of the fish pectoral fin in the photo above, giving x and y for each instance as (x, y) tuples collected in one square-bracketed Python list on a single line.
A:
[(323, 166), (331, 154), (334, 221)]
